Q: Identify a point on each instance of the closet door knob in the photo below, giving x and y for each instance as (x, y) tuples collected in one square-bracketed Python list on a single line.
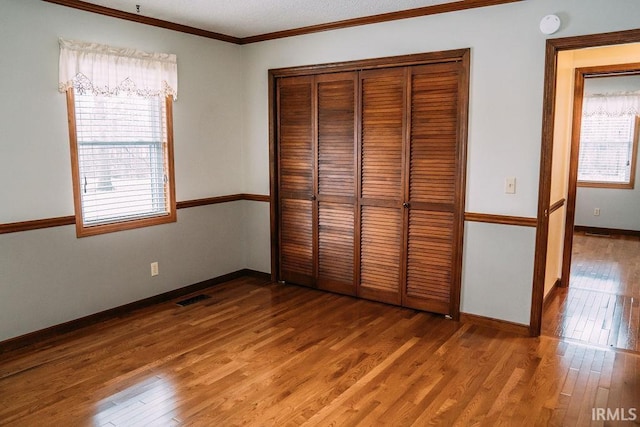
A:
[(405, 204), (313, 197)]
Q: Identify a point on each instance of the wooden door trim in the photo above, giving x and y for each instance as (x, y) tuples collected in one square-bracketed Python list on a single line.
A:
[(315, 205), (463, 128), (273, 171), (372, 64), (357, 232), (553, 46), (576, 123)]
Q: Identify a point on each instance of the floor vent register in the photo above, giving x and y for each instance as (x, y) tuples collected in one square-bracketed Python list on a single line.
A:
[(193, 300)]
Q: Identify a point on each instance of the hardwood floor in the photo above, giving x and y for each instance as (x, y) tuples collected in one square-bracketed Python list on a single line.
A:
[(602, 303), (267, 354)]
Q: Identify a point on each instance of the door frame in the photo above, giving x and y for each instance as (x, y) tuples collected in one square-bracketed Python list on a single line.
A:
[(553, 47)]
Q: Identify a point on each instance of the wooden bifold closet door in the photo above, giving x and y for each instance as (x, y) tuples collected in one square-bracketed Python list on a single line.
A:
[(433, 188), (317, 164), (381, 183), (296, 178), (370, 182)]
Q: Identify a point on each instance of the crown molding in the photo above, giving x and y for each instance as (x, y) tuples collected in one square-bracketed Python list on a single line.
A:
[(366, 20), (374, 19), (127, 16)]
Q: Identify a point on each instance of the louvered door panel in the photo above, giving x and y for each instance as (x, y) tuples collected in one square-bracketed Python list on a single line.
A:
[(382, 134), (433, 188), (296, 246), (336, 134), (380, 252), (335, 247), (429, 260), (433, 168), (336, 126), (296, 136), (296, 179), (381, 183)]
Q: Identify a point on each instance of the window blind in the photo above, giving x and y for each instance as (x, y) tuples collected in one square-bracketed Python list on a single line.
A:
[(606, 146), (121, 146)]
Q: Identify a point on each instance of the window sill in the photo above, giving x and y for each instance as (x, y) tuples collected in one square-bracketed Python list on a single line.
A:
[(94, 230)]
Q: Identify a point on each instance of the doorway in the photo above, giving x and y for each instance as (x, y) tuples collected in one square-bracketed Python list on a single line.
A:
[(550, 263), (601, 264)]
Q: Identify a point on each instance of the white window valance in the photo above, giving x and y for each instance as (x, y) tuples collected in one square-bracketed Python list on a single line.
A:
[(612, 105), (108, 70)]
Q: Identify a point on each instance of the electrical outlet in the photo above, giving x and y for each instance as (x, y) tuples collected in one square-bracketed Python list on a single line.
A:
[(596, 212), (510, 185), (154, 269)]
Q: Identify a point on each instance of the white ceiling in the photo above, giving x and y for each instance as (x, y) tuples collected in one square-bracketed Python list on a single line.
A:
[(244, 18)]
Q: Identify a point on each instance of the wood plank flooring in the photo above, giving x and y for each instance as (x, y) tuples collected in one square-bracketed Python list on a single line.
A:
[(602, 303), (268, 354)]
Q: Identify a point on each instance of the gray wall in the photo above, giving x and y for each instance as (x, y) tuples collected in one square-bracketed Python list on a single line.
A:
[(49, 276), (619, 208)]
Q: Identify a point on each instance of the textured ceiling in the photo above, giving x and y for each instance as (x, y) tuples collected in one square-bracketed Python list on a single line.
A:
[(244, 18)]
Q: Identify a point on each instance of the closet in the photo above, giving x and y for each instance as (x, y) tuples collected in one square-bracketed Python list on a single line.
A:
[(368, 177)]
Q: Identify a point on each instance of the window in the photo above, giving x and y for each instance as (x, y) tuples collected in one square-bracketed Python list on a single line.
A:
[(120, 104), (121, 162), (608, 147)]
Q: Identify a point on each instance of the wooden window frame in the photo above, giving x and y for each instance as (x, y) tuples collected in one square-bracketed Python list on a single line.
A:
[(83, 230), (632, 173)]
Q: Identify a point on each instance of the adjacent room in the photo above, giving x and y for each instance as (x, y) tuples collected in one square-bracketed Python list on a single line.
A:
[(292, 212), (602, 234)]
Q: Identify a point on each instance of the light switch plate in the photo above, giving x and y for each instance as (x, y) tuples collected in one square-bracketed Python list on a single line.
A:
[(154, 269), (510, 185)]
